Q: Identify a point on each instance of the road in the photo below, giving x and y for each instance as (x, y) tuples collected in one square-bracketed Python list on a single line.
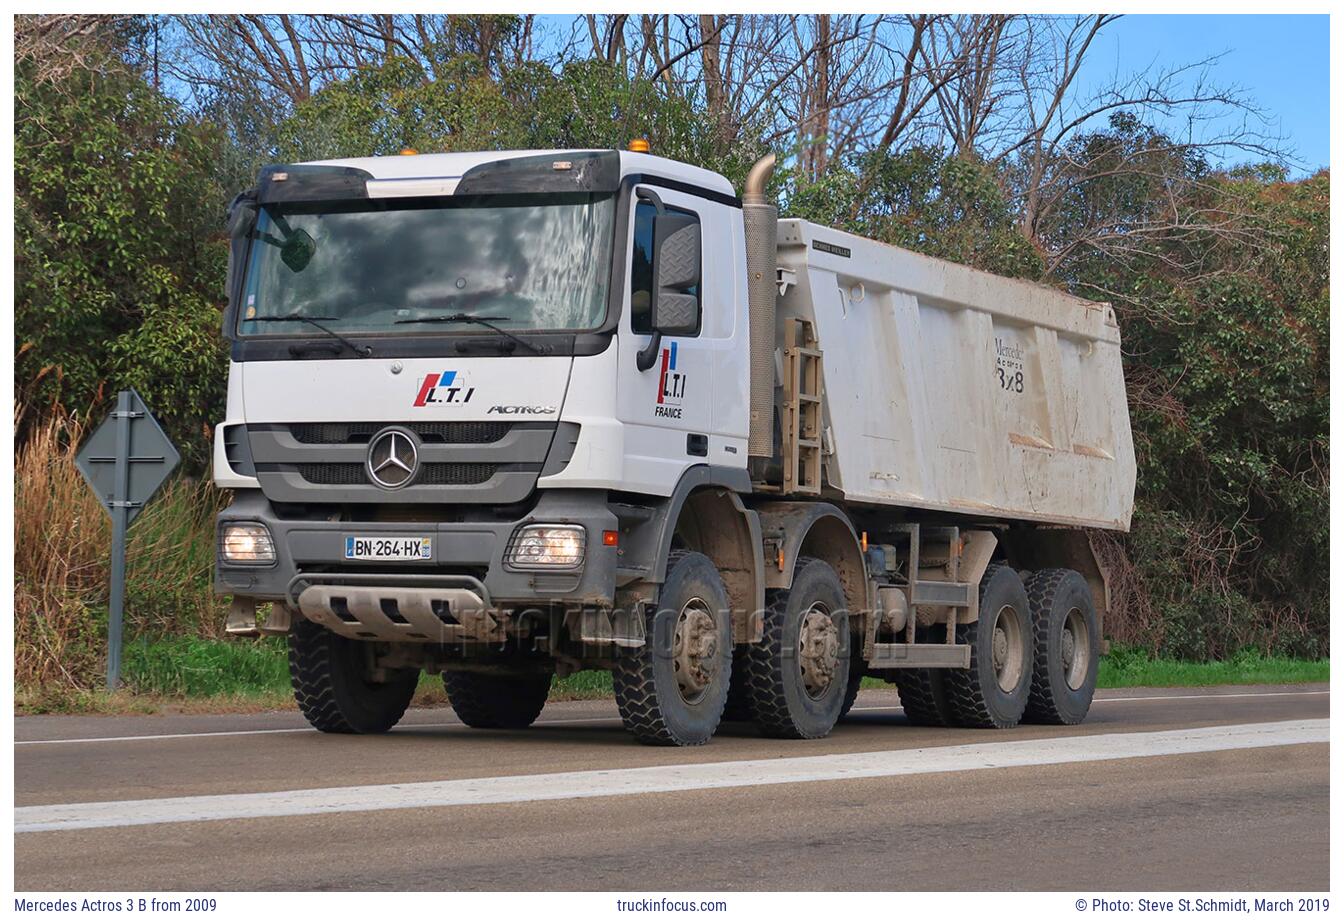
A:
[(1209, 789)]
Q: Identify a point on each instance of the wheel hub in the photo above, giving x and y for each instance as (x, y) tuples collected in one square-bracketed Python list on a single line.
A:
[(1066, 648), (818, 651), (1007, 650), (695, 650), (1075, 649), (1000, 649)]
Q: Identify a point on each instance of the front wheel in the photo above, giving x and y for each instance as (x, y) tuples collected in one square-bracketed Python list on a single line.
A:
[(672, 690), (332, 684), (496, 701)]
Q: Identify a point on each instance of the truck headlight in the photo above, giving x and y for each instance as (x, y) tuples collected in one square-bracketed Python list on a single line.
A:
[(546, 546), (246, 544)]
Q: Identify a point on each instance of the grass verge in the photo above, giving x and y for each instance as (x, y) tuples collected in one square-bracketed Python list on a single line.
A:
[(232, 675)]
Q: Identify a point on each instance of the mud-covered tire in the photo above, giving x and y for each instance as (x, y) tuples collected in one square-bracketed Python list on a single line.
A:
[(990, 694), (852, 688), (329, 676), (923, 696), (648, 693), (496, 701), (781, 705), (1061, 693)]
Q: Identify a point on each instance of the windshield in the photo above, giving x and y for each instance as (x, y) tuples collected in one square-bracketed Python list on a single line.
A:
[(539, 263)]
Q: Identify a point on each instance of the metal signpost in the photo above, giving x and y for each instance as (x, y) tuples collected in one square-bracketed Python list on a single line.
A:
[(125, 461)]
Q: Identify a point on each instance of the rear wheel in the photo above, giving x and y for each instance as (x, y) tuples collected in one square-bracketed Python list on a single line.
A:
[(1067, 645), (993, 691), (923, 696), (672, 690), (798, 673), (331, 679), (738, 707), (496, 701)]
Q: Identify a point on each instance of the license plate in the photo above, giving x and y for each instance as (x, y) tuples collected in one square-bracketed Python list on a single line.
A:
[(388, 547)]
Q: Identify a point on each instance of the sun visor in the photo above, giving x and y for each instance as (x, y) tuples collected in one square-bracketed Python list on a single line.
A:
[(285, 184), (593, 172)]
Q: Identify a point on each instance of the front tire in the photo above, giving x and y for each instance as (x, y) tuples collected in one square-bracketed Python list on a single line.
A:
[(797, 675), (1067, 647), (993, 691), (329, 674), (672, 690), (496, 701)]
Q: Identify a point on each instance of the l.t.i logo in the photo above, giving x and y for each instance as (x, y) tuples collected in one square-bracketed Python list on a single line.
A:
[(443, 387), (671, 383)]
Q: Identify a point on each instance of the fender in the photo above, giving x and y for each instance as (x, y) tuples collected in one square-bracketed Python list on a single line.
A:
[(816, 529), (648, 534)]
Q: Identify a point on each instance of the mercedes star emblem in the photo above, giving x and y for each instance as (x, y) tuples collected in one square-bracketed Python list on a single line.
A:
[(392, 458)]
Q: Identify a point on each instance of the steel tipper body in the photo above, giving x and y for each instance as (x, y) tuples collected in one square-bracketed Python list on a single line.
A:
[(505, 415), (961, 391)]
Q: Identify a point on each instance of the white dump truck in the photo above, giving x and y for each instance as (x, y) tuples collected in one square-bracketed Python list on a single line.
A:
[(503, 416)]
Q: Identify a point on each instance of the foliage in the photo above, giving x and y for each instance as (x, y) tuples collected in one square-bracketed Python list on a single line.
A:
[(1224, 308), (951, 207), (386, 108), (117, 258)]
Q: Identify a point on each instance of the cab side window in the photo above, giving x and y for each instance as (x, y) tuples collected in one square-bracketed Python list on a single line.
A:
[(641, 267)]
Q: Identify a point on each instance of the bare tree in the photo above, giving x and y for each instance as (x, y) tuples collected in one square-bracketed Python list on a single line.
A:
[(1058, 157), (56, 45), (966, 58)]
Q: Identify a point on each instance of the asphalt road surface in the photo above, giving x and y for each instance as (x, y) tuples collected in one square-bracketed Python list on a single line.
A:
[(1210, 789)]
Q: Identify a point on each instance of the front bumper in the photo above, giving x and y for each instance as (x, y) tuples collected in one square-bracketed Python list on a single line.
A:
[(310, 553)]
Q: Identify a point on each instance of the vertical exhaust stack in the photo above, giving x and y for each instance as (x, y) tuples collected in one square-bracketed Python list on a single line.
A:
[(760, 218)]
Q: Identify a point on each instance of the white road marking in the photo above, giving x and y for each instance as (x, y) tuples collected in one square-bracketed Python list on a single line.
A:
[(671, 778), (1209, 696), (598, 720)]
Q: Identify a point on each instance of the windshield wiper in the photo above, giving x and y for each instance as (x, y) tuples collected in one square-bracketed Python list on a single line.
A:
[(363, 351), (487, 321)]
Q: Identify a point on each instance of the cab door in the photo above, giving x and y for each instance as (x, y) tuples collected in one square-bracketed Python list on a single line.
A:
[(667, 410)]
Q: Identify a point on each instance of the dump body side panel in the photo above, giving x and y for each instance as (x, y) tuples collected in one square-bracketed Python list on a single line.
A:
[(956, 390)]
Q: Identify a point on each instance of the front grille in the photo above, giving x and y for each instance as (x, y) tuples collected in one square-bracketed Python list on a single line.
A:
[(428, 432), (431, 474), (334, 474), (455, 474)]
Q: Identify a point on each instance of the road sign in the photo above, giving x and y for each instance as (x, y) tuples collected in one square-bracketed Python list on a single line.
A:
[(131, 432), (125, 460)]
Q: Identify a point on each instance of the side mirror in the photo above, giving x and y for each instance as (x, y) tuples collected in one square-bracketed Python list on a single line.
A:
[(676, 271)]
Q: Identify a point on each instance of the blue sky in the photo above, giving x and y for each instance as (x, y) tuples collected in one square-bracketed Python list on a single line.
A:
[(1282, 62)]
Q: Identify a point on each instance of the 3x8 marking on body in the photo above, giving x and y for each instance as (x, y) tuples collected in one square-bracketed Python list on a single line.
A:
[(602, 720), (681, 777)]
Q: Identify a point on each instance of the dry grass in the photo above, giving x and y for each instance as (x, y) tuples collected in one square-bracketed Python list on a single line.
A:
[(62, 543)]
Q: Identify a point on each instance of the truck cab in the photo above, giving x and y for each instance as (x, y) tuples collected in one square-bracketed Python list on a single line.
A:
[(490, 318), (502, 415)]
